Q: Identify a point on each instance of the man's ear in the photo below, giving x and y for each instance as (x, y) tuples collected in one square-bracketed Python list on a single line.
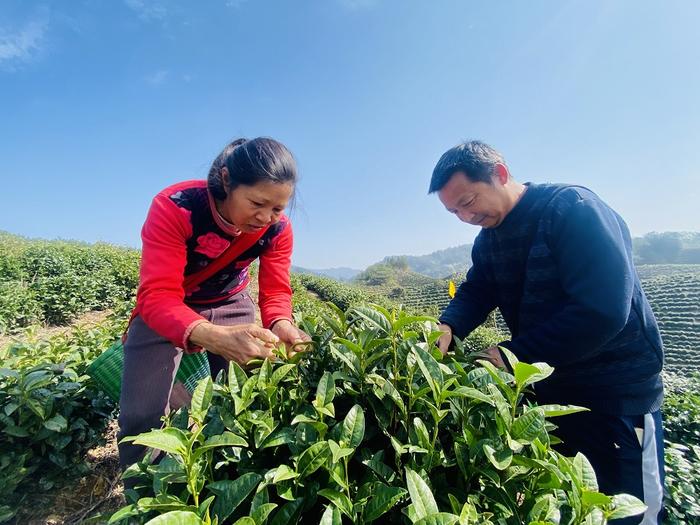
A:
[(501, 172)]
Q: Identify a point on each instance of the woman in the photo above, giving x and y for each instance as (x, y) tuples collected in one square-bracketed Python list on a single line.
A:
[(189, 226)]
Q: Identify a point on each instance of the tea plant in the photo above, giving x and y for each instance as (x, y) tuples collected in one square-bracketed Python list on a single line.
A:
[(681, 413), (54, 281), (373, 425), (50, 411)]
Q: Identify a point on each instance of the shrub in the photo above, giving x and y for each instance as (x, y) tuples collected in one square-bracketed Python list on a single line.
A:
[(373, 425)]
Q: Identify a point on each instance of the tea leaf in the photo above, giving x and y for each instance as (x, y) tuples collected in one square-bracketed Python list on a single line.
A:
[(339, 499), (230, 494), (225, 439), (57, 423), (313, 458), (264, 374), (283, 473), (245, 520), (353, 427), (339, 452), (383, 499), (236, 377), (625, 505), (440, 518), (561, 410), (421, 495), (584, 472), (331, 516), (281, 436), (280, 373), (171, 440), (325, 392), (430, 369), (176, 517), (261, 513), (288, 513), (500, 459), (201, 399), (374, 318), (528, 426)]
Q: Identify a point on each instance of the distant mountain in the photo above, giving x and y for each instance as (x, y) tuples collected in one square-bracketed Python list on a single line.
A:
[(339, 274), (652, 248), (439, 264)]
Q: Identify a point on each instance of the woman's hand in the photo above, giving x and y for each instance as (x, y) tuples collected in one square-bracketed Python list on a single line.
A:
[(240, 343), (289, 334)]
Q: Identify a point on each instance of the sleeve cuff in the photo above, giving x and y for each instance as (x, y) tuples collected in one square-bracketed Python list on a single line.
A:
[(272, 323), (188, 347)]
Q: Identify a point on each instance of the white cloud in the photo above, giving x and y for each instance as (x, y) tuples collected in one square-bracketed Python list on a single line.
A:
[(147, 9), (22, 46), (235, 4), (157, 78)]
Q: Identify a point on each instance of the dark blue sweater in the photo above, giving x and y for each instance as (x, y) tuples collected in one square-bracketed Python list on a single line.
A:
[(559, 268)]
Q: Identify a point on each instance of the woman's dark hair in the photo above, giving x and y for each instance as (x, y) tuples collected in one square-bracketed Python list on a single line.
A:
[(475, 159), (249, 162)]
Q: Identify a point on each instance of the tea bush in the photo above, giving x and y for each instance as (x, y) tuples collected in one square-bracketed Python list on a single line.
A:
[(681, 412), (373, 425), (54, 281), (50, 411)]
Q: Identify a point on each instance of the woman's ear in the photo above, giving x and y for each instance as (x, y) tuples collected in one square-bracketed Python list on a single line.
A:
[(225, 178)]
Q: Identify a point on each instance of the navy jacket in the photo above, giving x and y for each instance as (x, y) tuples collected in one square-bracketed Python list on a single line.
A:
[(559, 268)]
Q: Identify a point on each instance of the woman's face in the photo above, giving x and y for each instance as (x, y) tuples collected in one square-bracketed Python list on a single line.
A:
[(251, 208)]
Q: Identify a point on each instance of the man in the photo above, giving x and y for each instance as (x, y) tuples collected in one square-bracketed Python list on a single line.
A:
[(557, 262)]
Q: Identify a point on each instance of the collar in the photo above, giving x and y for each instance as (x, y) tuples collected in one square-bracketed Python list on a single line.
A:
[(222, 223)]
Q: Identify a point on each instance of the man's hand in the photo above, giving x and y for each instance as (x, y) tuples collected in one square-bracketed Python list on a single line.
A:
[(493, 355), (289, 335), (240, 343), (445, 339)]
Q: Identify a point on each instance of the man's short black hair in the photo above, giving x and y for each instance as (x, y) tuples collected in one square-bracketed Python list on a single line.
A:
[(474, 158)]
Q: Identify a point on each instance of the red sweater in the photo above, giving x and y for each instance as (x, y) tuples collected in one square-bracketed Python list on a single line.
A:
[(182, 234)]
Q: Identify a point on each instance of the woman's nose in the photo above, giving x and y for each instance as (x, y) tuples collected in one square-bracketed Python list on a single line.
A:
[(263, 217)]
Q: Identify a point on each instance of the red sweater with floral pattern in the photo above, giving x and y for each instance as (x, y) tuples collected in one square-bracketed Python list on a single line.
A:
[(183, 233)]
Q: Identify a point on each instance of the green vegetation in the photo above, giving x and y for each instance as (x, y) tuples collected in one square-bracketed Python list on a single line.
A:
[(681, 412), (455, 447), (342, 295), (372, 425), (54, 281), (675, 300), (50, 411)]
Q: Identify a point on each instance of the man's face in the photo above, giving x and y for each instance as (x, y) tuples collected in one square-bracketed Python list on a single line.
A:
[(476, 203)]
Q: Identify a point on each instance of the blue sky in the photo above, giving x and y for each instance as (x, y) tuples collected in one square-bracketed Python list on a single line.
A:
[(102, 104)]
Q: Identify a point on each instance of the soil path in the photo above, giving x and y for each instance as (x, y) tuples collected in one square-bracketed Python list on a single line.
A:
[(38, 332)]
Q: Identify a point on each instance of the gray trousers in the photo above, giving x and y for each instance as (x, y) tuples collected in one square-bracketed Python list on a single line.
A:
[(150, 365)]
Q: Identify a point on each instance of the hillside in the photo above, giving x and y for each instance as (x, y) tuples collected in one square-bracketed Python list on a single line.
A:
[(439, 264), (668, 248), (673, 292), (339, 274)]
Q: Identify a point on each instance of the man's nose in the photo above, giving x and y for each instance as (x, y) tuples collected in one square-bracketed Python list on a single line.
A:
[(465, 216)]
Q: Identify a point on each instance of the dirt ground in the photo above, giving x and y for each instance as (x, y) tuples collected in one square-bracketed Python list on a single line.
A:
[(90, 498)]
